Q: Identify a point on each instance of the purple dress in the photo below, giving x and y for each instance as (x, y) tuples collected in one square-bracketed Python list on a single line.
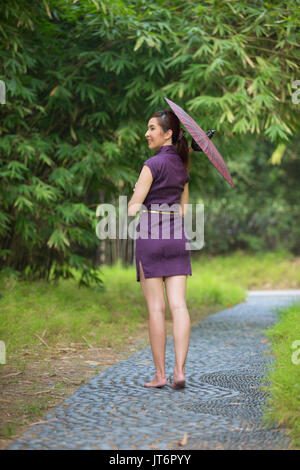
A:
[(161, 242)]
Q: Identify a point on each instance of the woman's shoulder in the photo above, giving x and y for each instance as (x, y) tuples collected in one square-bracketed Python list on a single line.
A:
[(151, 159), (154, 163)]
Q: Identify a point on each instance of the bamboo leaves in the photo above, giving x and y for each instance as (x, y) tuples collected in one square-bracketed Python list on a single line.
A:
[(58, 240), (82, 80), (14, 170)]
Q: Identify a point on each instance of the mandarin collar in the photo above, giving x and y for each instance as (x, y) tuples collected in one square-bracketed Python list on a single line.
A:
[(167, 148)]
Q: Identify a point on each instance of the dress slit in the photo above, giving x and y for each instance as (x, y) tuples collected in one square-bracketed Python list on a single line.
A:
[(142, 276)]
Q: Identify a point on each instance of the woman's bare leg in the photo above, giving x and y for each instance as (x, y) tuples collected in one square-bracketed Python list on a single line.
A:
[(176, 295), (154, 295)]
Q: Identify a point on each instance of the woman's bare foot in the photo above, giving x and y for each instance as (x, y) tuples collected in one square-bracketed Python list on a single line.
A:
[(178, 381), (156, 382)]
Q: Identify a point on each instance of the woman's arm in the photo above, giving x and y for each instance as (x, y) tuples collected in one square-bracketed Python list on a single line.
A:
[(141, 190), (184, 199)]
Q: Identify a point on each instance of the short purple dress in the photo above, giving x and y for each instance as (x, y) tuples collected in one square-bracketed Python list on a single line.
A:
[(161, 243)]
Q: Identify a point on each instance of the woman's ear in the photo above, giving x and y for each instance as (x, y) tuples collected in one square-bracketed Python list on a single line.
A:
[(169, 134)]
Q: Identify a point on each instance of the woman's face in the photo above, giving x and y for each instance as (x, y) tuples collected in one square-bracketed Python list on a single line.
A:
[(155, 135)]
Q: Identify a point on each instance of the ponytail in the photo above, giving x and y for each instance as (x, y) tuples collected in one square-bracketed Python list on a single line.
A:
[(182, 148)]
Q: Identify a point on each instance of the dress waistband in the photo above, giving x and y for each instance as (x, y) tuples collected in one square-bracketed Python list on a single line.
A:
[(162, 212)]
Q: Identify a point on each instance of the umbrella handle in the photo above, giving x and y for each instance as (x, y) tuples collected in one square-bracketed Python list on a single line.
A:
[(195, 146)]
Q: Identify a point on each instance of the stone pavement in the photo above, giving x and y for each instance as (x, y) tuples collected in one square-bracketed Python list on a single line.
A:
[(221, 407)]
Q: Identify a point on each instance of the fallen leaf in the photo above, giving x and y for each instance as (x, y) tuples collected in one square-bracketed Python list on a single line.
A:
[(89, 345), (43, 341), (43, 391), (264, 340), (10, 375), (42, 422)]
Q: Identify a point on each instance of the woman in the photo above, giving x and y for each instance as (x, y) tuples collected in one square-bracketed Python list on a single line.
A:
[(164, 180)]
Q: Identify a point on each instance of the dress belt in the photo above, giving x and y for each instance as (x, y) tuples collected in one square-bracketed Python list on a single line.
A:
[(161, 212)]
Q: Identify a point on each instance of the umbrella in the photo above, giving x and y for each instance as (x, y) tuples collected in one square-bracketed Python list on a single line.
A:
[(202, 140), (194, 144)]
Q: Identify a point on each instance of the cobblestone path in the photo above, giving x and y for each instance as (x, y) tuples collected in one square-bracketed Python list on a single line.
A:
[(221, 407)]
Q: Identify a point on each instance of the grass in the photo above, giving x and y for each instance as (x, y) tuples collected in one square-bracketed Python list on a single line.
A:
[(65, 313), (284, 376), (270, 270)]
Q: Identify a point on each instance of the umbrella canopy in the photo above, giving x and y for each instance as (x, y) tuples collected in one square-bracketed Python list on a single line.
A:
[(202, 140)]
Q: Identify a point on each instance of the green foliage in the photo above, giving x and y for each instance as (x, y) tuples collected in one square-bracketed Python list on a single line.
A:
[(262, 211), (284, 377), (83, 78)]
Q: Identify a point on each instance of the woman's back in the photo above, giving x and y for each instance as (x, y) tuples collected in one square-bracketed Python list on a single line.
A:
[(169, 177)]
